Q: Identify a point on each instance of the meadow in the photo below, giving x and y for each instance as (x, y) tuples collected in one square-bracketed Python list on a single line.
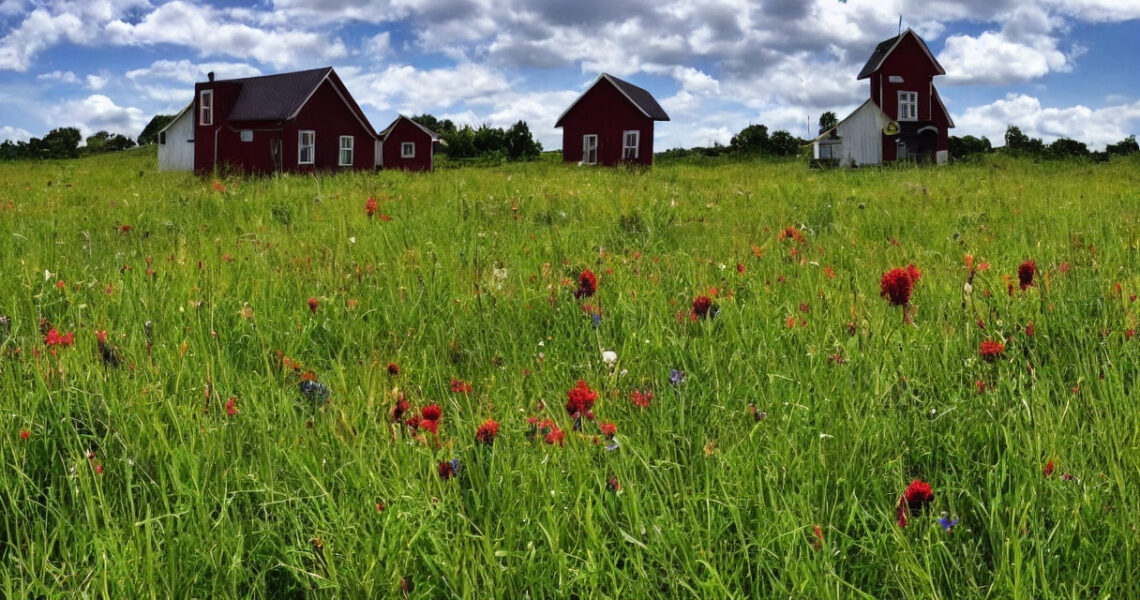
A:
[(201, 379)]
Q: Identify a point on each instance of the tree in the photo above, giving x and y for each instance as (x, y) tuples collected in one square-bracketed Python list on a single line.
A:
[(520, 144), (149, 133), (62, 142), (1124, 147), (782, 143), (751, 140), (1068, 148), (963, 147), (827, 120), (1019, 143)]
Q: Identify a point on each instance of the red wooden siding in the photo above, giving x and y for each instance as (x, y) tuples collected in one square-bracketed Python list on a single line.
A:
[(910, 62), (606, 112), (406, 131)]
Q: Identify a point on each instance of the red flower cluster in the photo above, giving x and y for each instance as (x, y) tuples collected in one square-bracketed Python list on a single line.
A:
[(313, 304), (587, 285), (398, 409), (897, 285), (487, 432), (579, 400), (990, 350), (791, 232), (459, 386), (1025, 274), (371, 206), (640, 398), (608, 429), (53, 338), (701, 307), (447, 470), (393, 369), (917, 495), (231, 406)]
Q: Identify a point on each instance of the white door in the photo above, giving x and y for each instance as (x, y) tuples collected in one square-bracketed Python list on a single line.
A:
[(590, 149)]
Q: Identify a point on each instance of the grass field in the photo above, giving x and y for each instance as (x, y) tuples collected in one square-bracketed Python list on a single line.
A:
[(208, 465)]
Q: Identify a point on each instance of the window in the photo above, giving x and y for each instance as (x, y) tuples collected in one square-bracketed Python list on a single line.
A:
[(206, 107), (632, 138), (590, 149), (908, 106), (162, 138), (408, 150), (346, 151), (247, 135), (306, 147)]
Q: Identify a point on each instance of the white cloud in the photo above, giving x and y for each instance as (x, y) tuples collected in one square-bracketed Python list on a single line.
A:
[(97, 113), (96, 82), (14, 134), (212, 32), (1096, 127), (378, 46), (60, 76), (418, 90), (75, 22), (185, 71), (1114, 11)]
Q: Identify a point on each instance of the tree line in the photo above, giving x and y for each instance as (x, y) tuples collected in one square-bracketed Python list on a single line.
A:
[(63, 142), (1017, 143), (483, 142)]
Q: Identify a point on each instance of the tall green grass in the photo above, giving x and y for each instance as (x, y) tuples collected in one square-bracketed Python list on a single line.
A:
[(472, 279)]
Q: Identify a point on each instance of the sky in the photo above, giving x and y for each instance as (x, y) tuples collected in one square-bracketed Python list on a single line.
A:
[(1054, 68)]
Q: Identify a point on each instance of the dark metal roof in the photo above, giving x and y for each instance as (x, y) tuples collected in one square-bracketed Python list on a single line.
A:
[(884, 49), (640, 98), (275, 97)]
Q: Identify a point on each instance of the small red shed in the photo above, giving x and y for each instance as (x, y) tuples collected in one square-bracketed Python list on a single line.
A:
[(409, 146), (301, 121), (611, 123)]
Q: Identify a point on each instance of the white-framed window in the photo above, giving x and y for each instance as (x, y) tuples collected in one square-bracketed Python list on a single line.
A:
[(631, 140), (306, 147), (247, 135), (590, 149), (908, 106), (206, 107), (346, 142), (408, 150)]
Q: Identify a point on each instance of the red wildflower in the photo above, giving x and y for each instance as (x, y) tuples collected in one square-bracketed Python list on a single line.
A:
[(739, 267), (980, 386), (379, 507), (701, 306), (231, 406), (25, 434), (432, 412), (446, 470), (556, 436), (613, 484), (918, 494), (393, 369), (818, 536), (990, 350), (429, 425), (487, 432), (791, 232), (1129, 333), (460, 387), (60, 284), (640, 398), (384, 217), (313, 304), (400, 408), (608, 429), (413, 422), (1029, 329), (371, 206), (53, 338), (580, 399), (1049, 468), (101, 337), (1025, 273), (587, 284), (897, 285), (218, 187)]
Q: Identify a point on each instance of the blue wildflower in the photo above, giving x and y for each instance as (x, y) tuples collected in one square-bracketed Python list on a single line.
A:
[(947, 523), (676, 377)]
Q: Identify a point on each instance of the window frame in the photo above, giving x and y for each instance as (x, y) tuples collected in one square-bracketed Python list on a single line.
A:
[(407, 149), (302, 146), (206, 107), (626, 147), (586, 148), (908, 99), (350, 149)]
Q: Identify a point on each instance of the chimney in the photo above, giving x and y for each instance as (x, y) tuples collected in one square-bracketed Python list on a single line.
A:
[(210, 76)]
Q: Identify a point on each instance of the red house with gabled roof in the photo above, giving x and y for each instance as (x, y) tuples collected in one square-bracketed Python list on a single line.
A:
[(610, 124), (301, 121), (409, 146), (904, 118)]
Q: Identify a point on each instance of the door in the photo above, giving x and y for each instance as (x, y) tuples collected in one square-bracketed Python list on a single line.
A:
[(275, 154), (590, 149)]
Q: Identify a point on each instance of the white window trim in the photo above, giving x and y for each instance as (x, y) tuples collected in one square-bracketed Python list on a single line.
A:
[(349, 149), (407, 149), (625, 147), (301, 146), (206, 107), (910, 99), (586, 139)]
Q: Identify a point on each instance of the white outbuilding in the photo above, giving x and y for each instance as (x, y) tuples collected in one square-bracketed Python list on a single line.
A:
[(176, 142)]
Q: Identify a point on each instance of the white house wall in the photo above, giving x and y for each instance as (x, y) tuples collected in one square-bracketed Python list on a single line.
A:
[(861, 136), (177, 154)]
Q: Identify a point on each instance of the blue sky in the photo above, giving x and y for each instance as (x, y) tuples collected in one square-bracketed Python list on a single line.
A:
[(1055, 68)]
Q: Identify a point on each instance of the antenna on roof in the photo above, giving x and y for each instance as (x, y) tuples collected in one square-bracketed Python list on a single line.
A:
[(900, 24)]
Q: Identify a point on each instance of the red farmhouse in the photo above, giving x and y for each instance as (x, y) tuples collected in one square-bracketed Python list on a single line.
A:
[(300, 121), (407, 145), (611, 123), (904, 118)]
